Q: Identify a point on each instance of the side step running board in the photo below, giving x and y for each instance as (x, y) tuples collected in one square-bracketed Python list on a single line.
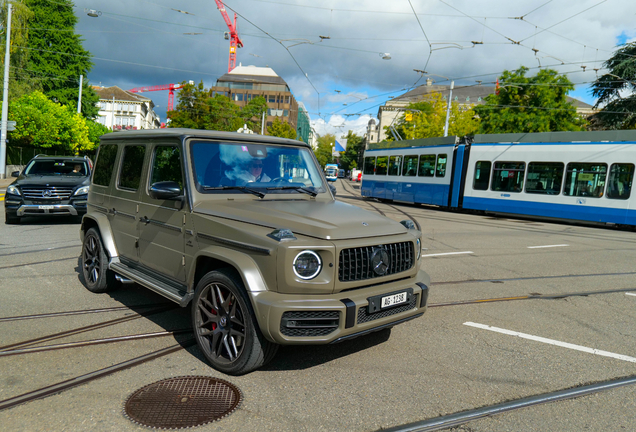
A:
[(170, 292)]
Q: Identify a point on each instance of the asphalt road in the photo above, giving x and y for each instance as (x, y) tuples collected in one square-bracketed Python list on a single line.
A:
[(455, 358)]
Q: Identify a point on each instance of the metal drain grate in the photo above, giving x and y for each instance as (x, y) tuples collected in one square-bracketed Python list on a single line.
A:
[(183, 402)]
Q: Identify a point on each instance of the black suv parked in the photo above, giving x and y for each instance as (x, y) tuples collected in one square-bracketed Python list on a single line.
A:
[(49, 185)]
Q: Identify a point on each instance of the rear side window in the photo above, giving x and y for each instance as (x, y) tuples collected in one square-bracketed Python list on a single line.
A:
[(409, 168), (131, 166), (482, 175), (585, 179), (104, 165), (441, 166), (380, 165), (394, 165), (167, 165), (369, 165), (619, 185), (508, 176)]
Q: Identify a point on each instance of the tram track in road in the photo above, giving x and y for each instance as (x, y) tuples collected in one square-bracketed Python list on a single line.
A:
[(82, 312), (41, 250)]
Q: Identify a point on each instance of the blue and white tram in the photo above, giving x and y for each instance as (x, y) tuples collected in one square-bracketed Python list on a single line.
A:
[(578, 176)]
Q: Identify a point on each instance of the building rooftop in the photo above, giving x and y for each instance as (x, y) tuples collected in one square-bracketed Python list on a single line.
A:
[(119, 94), (253, 74)]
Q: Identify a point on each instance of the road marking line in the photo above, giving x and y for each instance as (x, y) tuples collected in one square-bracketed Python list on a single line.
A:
[(553, 342), (631, 294), (547, 246), (447, 253)]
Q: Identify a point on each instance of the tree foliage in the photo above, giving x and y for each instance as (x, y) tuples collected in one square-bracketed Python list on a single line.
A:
[(43, 123), (281, 129), (323, 150), (530, 104), (197, 108), (615, 91), (353, 154)]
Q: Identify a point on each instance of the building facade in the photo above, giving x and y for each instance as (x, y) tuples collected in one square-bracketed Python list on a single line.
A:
[(245, 83), (122, 110), (303, 125)]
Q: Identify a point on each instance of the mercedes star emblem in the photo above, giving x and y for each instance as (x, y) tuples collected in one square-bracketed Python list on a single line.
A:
[(380, 261)]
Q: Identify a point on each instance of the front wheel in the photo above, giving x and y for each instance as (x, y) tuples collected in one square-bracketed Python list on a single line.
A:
[(225, 326), (97, 277)]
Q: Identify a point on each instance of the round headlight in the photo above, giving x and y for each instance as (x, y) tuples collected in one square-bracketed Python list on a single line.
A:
[(418, 245), (307, 265)]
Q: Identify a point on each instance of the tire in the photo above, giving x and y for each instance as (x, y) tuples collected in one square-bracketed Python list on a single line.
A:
[(97, 277), (225, 326), (11, 219)]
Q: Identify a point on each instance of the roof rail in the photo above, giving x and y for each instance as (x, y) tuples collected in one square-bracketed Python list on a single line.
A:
[(39, 155)]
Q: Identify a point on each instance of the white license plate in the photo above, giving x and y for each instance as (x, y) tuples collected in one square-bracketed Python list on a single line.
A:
[(393, 300), (46, 207)]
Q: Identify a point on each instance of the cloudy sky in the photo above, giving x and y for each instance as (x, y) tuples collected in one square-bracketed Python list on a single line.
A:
[(335, 54)]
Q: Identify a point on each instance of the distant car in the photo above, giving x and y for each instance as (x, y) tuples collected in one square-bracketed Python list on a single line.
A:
[(353, 175), (49, 185)]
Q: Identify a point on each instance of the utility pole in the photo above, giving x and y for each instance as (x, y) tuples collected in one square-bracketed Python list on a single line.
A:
[(79, 99), (5, 100), (450, 97)]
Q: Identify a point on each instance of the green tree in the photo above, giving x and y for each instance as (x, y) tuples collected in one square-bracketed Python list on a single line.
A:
[(530, 104), (281, 129), (96, 130), (56, 57), (43, 123), (323, 149), (352, 155), (615, 91)]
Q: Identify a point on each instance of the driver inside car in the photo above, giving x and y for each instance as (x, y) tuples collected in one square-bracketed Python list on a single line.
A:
[(253, 173)]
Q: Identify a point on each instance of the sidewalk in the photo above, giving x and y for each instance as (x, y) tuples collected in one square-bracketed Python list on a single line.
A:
[(6, 182)]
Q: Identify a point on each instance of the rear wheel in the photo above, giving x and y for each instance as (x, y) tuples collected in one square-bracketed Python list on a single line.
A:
[(97, 277), (225, 326)]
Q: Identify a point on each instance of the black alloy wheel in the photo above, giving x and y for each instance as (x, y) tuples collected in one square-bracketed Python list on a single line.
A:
[(225, 327), (97, 277)]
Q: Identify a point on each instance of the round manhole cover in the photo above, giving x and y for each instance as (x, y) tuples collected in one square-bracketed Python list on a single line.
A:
[(183, 402)]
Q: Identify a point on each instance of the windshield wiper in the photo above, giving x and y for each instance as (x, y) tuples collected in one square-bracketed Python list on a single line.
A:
[(298, 188), (241, 188)]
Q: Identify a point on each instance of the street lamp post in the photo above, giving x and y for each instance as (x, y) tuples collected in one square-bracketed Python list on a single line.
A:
[(5, 100), (450, 97)]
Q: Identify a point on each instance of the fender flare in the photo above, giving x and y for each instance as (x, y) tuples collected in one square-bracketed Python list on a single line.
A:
[(103, 224)]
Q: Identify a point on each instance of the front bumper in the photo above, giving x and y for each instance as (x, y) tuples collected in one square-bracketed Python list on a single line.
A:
[(290, 319), (19, 207)]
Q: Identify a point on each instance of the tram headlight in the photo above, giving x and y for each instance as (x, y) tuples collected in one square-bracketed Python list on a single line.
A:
[(418, 245), (307, 265)]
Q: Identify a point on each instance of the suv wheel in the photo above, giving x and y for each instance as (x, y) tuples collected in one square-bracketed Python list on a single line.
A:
[(97, 277), (11, 219), (225, 326)]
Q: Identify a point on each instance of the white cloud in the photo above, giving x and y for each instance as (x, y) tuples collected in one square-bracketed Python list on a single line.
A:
[(340, 125)]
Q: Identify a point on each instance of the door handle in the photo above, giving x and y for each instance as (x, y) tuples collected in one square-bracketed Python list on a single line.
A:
[(144, 219)]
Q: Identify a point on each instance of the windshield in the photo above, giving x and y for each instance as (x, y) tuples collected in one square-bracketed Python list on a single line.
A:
[(269, 169), (57, 168)]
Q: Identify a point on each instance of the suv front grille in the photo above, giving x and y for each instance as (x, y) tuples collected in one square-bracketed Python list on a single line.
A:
[(355, 263), (365, 316), (52, 192), (309, 323)]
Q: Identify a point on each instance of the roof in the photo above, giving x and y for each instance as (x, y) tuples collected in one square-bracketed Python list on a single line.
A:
[(253, 74), (182, 133), (107, 93), (556, 137)]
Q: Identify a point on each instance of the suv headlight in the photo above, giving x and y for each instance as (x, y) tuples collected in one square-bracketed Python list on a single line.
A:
[(307, 265), (13, 190), (82, 191)]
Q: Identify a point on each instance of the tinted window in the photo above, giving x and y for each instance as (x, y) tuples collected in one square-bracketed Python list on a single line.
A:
[(409, 168), (619, 185), (57, 168), (131, 166), (544, 178), (104, 165), (508, 176), (380, 165), (166, 165), (441, 166), (585, 179), (482, 175), (427, 166), (369, 165), (394, 165)]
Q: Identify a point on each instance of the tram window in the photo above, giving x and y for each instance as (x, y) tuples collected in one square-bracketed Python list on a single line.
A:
[(427, 166), (380, 165), (441, 166), (482, 175), (369, 165), (409, 168), (544, 178), (585, 179), (394, 165), (508, 176), (619, 185)]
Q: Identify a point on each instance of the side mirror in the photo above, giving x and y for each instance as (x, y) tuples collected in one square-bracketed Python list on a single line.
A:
[(333, 189), (165, 190), (15, 174)]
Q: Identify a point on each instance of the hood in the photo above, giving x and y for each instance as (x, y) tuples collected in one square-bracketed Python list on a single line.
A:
[(330, 220), (36, 180)]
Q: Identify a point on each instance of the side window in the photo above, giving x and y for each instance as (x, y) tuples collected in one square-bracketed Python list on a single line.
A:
[(427, 166), (441, 166), (369, 165), (394, 165), (619, 185), (409, 168), (104, 165), (380, 165), (544, 178), (482, 175), (166, 165), (131, 165), (508, 176), (585, 179)]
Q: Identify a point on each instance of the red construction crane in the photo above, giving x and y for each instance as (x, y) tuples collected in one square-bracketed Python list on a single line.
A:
[(170, 87), (235, 41)]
